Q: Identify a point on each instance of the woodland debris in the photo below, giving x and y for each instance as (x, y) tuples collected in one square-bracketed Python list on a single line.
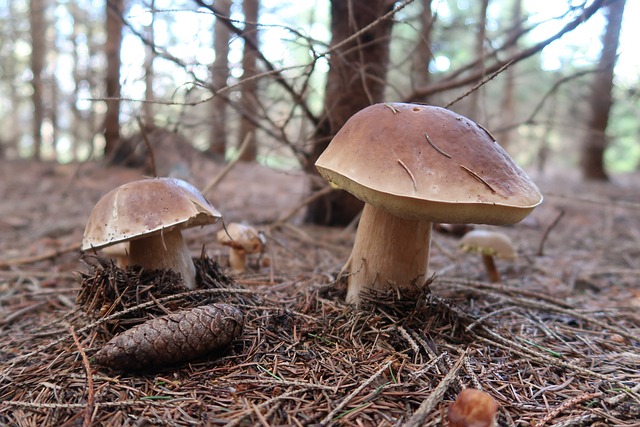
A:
[(174, 338), (107, 289)]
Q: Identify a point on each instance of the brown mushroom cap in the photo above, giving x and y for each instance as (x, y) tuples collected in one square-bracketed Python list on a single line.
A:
[(488, 242), (240, 237), (145, 207), (427, 163)]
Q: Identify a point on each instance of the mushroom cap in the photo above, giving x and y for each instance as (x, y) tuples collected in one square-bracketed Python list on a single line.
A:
[(140, 208), (241, 237), (427, 163), (488, 242)]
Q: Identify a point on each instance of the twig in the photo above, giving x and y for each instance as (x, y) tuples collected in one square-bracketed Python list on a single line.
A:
[(11, 317), (266, 403), (88, 411), (413, 178), (147, 143), (41, 257), (566, 405), (548, 231), (477, 177), (625, 204), (450, 82), (481, 83), (243, 147), (435, 147), (315, 196), (419, 417), (353, 394)]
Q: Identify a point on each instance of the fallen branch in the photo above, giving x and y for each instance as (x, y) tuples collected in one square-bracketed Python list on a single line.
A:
[(216, 180), (88, 411), (41, 257), (419, 417), (315, 196)]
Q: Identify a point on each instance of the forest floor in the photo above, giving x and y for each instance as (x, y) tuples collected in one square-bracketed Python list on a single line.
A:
[(557, 343)]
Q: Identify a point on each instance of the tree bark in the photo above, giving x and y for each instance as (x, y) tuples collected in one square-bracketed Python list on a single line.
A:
[(356, 79), (474, 112), (38, 30), (423, 54), (147, 107), (593, 167), (114, 10), (219, 76), (509, 106), (248, 91)]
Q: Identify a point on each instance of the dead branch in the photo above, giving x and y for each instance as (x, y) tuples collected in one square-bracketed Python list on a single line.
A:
[(88, 411)]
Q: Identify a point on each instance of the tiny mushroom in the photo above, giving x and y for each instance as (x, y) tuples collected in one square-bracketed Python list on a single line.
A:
[(489, 244), (473, 408), (243, 240), (413, 165), (149, 214)]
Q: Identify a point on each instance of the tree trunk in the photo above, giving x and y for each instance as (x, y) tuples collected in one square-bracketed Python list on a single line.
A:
[(601, 96), (248, 91), (474, 97), (356, 80), (38, 31), (219, 76), (509, 106), (114, 10), (148, 69), (423, 54)]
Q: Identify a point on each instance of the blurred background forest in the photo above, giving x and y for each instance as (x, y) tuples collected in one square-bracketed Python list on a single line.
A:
[(557, 82)]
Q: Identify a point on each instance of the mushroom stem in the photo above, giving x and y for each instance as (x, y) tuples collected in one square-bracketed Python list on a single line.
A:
[(238, 260), (490, 266), (165, 250), (388, 252)]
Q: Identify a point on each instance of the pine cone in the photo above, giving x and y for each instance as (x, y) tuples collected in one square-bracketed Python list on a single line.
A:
[(178, 337)]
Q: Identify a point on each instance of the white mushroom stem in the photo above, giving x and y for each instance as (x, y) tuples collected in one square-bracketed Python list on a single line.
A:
[(388, 252), (238, 260), (166, 250)]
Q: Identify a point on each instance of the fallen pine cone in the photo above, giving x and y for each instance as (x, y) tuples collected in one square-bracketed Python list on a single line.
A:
[(174, 338)]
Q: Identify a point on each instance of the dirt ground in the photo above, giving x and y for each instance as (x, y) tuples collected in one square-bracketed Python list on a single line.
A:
[(557, 343)]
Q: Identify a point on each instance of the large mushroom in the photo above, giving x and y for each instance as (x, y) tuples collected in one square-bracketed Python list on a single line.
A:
[(413, 165), (149, 214)]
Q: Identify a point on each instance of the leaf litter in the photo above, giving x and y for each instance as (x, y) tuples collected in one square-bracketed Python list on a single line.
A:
[(557, 344)]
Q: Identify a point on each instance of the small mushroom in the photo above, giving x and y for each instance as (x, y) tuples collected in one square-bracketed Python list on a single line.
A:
[(242, 240), (489, 244), (473, 408), (149, 214), (413, 165)]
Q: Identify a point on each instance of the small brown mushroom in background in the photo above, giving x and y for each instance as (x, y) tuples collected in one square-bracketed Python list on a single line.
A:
[(149, 214), (243, 240), (489, 244), (473, 408)]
